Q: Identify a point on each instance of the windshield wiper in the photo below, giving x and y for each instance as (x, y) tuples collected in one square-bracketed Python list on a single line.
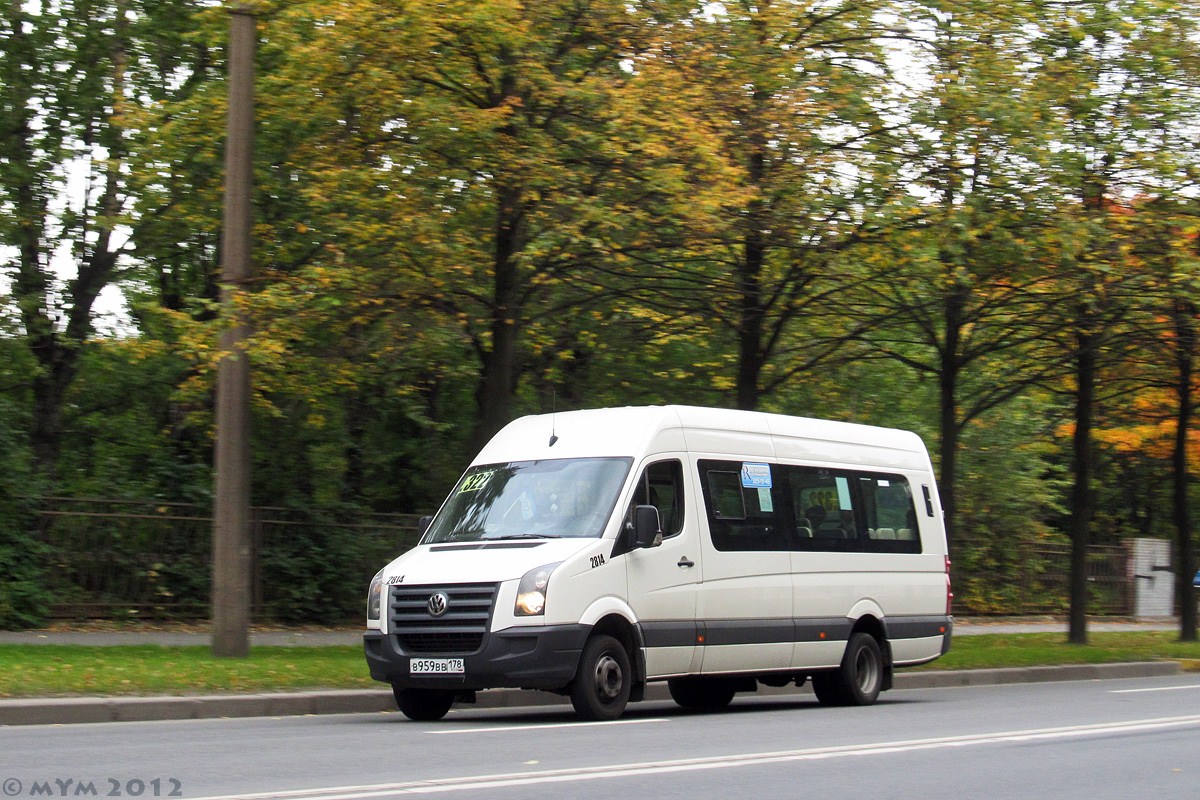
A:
[(529, 536), (461, 534)]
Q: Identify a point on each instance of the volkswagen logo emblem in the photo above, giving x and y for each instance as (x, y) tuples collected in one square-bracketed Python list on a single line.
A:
[(437, 604)]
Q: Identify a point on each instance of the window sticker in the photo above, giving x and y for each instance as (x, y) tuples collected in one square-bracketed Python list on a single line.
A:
[(843, 489), (473, 483), (756, 476), (764, 501)]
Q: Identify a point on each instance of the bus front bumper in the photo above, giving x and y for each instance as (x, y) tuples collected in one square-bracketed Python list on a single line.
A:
[(521, 658)]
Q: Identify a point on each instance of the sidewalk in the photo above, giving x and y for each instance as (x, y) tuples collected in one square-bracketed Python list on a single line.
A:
[(189, 638), (199, 637), (969, 626), (67, 710)]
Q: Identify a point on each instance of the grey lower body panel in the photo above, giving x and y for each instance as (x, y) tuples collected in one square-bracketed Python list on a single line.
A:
[(771, 631), (521, 658)]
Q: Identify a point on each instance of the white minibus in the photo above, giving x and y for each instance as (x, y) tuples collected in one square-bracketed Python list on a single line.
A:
[(590, 553)]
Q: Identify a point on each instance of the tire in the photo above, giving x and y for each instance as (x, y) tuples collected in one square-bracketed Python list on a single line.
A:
[(702, 694), (423, 705), (603, 681), (859, 679)]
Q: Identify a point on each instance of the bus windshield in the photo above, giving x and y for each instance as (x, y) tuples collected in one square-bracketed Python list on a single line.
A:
[(531, 500)]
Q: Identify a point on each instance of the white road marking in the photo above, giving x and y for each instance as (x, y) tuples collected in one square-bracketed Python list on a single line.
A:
[(533, 778), (1154, 689), (549, 725)]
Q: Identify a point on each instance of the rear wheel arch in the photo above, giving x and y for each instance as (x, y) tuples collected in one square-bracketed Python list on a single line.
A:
[(865, 671), (874, 626)]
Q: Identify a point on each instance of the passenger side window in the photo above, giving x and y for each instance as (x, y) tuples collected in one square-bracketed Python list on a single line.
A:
[(825, 508), (740, 498), (890, 513), (661, 485), (760, 506)]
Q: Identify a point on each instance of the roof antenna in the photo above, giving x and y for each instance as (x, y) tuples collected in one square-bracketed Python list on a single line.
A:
[(553, 409)]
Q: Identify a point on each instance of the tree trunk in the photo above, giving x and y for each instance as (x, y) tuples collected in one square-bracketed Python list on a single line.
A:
[(750, 324), (752, 315), (49, 395), (948, 425), (1184, 313), (1081, 492), (948, 434), (499, 380)]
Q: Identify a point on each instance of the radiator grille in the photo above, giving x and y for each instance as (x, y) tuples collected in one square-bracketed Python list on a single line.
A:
[(459, 630)]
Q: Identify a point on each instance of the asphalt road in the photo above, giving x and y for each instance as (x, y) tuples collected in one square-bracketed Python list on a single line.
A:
[(1081, 739)]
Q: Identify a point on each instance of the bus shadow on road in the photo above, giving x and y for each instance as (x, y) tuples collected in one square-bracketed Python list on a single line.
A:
[(654, 710)]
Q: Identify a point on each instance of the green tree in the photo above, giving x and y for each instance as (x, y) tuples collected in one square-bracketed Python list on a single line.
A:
[(1109, 75), (791, 97), (474, 139), (72, 72), (1158, 425), (955, 291)]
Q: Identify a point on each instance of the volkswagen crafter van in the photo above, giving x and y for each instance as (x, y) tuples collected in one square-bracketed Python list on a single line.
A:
[(590, 553)]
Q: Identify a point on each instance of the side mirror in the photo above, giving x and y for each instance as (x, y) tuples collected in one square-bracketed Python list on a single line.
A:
[(647, 528), (423, 525)]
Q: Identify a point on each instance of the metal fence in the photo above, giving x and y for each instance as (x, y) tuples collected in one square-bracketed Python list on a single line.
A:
[(998, 576), (150, 560)]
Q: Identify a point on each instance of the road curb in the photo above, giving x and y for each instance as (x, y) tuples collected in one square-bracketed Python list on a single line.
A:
[(74, 710), (69, 710), (938, 679)]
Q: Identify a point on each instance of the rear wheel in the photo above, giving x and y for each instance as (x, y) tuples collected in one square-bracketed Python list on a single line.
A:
[(423, 705), (859, 679), (603, 681), (702, 694)]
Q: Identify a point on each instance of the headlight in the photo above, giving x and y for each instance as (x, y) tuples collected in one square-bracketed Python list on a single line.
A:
[(531, 591), (375, 596)]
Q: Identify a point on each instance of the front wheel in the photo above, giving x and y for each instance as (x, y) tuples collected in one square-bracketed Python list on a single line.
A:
[(859, 679), (423, 705), (603, 681)]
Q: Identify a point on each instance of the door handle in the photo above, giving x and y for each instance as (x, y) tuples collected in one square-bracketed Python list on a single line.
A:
[(686, 562)]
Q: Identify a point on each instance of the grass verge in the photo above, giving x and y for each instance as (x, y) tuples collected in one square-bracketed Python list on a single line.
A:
[(54, 670), (1048, 649), (45, 670)]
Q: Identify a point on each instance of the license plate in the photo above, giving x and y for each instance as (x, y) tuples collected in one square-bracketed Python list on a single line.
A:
[(435, 666)]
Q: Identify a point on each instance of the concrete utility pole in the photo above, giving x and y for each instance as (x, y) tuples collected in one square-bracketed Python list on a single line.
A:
[(231, 567)]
